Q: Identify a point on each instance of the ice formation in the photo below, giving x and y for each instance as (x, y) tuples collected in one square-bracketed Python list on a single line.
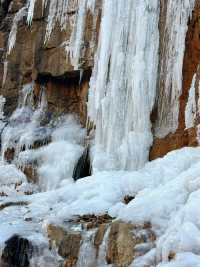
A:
[(56, 160), (123, 85), (13, 33), (171, 62), (191, 110)]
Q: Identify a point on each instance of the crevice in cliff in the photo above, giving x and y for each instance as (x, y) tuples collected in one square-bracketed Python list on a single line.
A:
[(73, 77)]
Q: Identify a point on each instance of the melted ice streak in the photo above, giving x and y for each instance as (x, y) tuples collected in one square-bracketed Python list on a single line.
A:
[(170, 83), (123, 84)]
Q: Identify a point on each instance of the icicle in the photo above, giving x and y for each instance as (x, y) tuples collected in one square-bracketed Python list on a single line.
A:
[(31, 6), (5, 72), (191, 108), (123, 84), (2, 103), (81, 76), (13, 33)]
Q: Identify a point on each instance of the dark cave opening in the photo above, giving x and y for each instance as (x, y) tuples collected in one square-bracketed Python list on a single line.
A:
[(68, 78), (83, 166)]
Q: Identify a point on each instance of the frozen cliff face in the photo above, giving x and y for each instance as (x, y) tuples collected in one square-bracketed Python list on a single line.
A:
[(138, 74), (172, 48), (130, 70)]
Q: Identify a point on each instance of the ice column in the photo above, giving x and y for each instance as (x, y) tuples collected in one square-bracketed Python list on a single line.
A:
[(123, 84)]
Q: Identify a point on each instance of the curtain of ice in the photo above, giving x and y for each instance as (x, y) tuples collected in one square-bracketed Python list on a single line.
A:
[(171, 63), (123, 85)]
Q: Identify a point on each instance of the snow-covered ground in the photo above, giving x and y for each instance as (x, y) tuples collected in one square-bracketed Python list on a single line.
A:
[(166, 194)]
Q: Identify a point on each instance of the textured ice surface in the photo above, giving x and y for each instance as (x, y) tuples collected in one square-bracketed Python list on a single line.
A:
[(123, 84), (169, 198)]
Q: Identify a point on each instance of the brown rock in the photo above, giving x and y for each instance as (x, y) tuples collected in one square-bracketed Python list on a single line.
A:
[(69, 248), (9, 154), (68, 243), (55, 234), (121, 244), (98, 239), (31, 173), (93, 221), (128, 199)]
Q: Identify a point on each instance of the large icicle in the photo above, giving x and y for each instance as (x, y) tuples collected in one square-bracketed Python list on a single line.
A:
[(123, 85), (13, 33), (172, 53)]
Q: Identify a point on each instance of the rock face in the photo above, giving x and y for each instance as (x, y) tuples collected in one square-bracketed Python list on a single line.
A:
[(122, 242), (33, 59), (68, 243)]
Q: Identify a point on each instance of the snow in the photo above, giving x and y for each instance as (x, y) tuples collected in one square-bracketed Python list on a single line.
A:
[(169, 198), (10, 174)]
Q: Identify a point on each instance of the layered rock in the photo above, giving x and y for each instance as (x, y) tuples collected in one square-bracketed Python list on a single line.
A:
[(33, 58)]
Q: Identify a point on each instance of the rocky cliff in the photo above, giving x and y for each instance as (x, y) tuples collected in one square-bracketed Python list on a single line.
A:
[(44, 60)]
